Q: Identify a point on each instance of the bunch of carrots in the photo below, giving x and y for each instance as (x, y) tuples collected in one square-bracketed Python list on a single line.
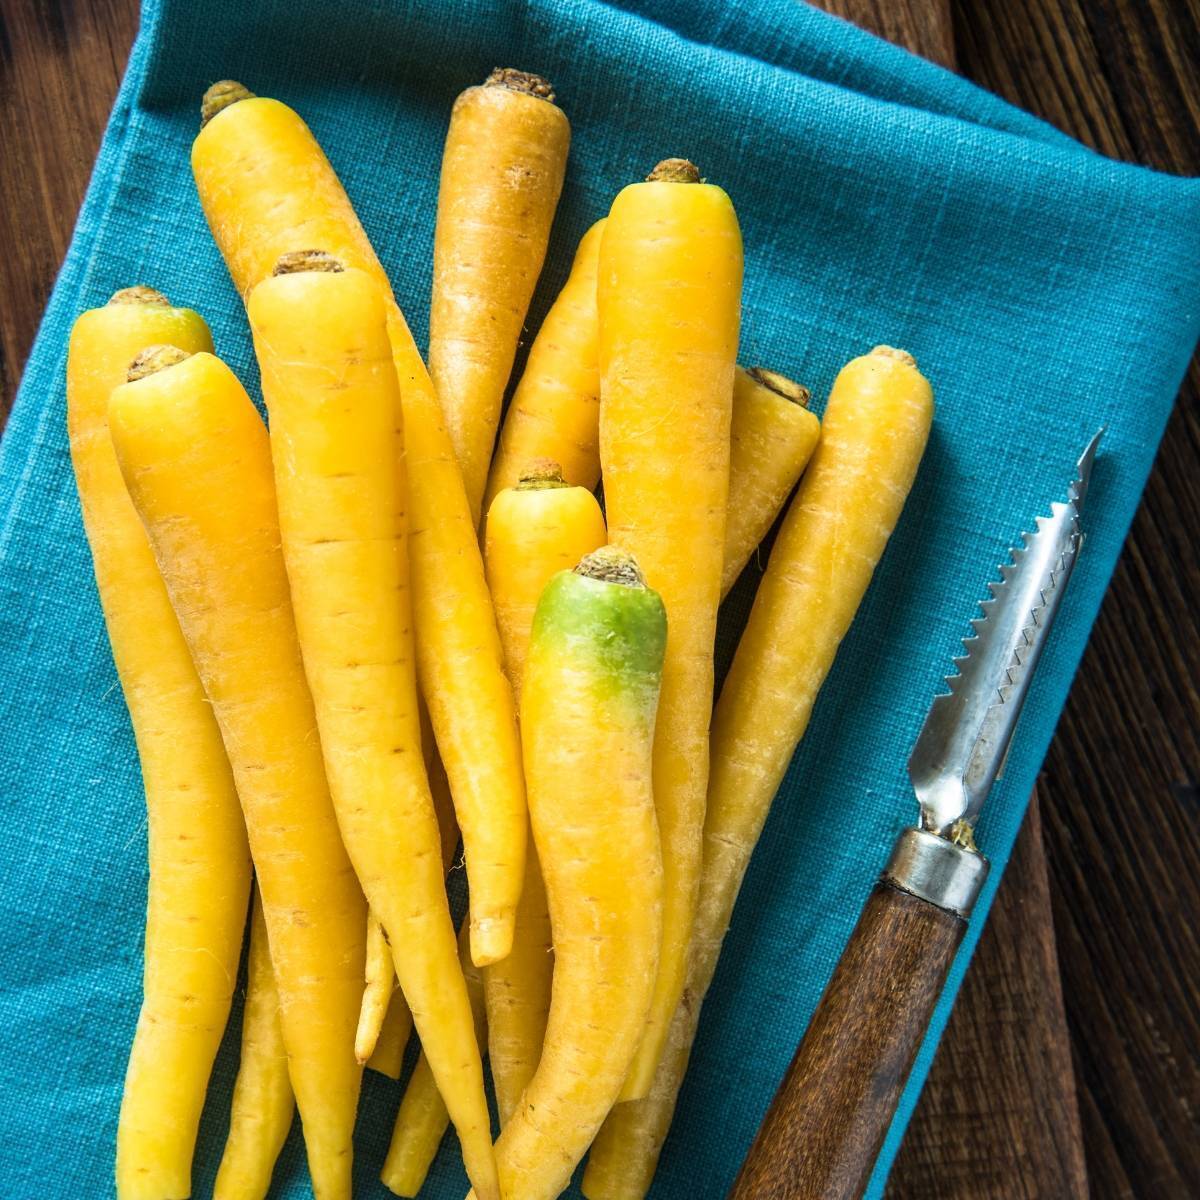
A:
[(345, 640)]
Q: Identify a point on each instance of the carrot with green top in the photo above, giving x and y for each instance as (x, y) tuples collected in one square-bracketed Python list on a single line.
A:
[(199, 861), (502, 172), (669, 299), (263, 1103), (268, 190), (875, 428), (321, 338), (772, 436), (554, 414), (422, 1119), (588, 706), (195, 457), (534, 530)]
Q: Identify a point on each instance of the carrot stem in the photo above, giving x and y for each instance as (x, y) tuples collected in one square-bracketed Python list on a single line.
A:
[(674, 170), (781, 385), (140, 295), (521, 81), (153, 359), (296, 262), (220, 96)]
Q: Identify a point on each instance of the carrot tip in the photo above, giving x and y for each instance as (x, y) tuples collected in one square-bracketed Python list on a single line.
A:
[(891, 352), (296, 262), (635, 1089), (611, 564), (521, 81), (154, 359), (781, 385), (675, 170), (221, 95), (141, 294), (491, 939)]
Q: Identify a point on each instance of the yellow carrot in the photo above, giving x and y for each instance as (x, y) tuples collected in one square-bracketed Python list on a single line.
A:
[(771, 438), (555, 411), (380, 979), (587, 724), (534, 530), (517, 994), (554, 415), (422, 1119), (268, 190), (874, 433), (439, 788), (624, 1156), (388, 1058), (195, 457), (199, 862), (669, 298), (263, 1103), (321, 337), (502, 172)]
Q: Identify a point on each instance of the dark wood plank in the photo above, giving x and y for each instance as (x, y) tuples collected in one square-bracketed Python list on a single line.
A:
[(822, 1133), (1120, 785), (922, 26), (60, 64)]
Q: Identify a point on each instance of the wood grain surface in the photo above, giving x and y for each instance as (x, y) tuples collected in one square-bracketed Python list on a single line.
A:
[(822, 1133), (60, 64), (1119, 792)]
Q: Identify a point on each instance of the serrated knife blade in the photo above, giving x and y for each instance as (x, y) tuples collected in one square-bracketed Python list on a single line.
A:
[(965, 737)]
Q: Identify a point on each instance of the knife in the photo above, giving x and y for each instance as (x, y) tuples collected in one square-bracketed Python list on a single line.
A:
[(822, 1133)]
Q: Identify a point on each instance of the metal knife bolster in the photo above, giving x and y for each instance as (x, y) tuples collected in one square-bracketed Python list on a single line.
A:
[(933, 868)]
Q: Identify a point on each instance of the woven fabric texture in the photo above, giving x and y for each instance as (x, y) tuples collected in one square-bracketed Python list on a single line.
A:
[(1044, 290)]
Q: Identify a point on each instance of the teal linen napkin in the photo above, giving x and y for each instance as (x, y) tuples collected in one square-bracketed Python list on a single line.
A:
[(1044, 290)]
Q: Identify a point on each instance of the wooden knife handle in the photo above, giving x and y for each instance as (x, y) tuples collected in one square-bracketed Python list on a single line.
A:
[(823, 1131)]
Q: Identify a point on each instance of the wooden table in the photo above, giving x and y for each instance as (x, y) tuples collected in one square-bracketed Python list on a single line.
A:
[(1073, 1056)]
